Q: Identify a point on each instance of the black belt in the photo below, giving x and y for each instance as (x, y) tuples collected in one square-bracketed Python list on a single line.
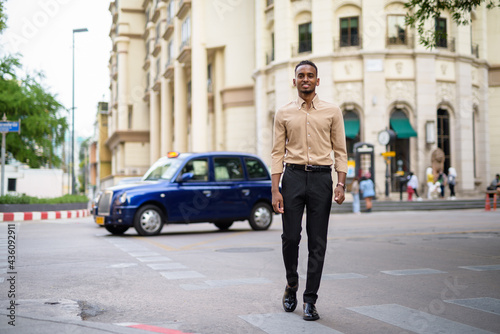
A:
[(310, 168)]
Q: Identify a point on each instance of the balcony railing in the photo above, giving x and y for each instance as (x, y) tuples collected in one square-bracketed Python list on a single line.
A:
[(448, 44), (346, 44), (400, 41), (302, 47), (474, 49)]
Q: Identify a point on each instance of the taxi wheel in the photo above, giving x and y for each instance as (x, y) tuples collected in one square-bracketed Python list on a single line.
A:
[(261, 217), (116, 229), (148, 220), (223, 225)]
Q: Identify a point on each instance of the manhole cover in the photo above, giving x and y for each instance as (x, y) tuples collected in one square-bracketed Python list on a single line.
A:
[(245, 250)]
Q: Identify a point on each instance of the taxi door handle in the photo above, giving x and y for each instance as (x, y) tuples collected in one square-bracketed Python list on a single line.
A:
[(245, 192), (207, 193)]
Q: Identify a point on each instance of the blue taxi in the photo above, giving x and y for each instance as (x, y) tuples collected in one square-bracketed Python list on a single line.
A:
[(215, 187)]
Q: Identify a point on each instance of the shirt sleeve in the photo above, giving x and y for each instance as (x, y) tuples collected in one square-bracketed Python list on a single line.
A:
[(337, 137), (279, 140)]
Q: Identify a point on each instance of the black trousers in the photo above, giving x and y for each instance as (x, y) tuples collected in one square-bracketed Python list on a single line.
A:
[(312, 190)]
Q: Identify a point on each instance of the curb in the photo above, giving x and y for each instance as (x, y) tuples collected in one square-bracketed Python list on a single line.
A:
[(42, 215)]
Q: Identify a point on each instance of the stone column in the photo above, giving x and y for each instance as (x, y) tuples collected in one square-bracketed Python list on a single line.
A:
[(199, 95), (122, 44), (180, 108), (220, 129), (154, 126)]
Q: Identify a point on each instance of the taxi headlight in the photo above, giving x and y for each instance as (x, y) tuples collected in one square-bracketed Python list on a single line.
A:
[(122, 199)]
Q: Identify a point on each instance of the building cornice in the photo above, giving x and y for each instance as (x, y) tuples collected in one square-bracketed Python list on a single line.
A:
[(122, 136)]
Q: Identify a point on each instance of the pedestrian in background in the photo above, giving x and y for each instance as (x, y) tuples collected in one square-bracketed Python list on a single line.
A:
[(367, 187), (306, 131), (412, 186), (442, 179), (355, 196), (452, 180)]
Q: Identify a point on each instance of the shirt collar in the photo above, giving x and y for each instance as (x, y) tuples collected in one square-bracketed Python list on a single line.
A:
[(301, 101)]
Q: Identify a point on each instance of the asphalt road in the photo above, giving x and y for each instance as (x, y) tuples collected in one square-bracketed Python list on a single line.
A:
[(387, 272)]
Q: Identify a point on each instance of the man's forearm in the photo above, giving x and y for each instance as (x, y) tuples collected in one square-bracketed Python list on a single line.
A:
[(275, 182)]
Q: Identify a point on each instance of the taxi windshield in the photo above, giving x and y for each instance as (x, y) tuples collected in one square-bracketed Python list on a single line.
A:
[(163, 169)]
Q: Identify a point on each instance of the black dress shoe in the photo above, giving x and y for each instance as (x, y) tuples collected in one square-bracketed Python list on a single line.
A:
[(290, 298), (310, 312)]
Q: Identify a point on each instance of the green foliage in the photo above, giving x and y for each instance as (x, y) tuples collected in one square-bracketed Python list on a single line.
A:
[(3, 17), (24, 199), (42, 125), (420, 11)]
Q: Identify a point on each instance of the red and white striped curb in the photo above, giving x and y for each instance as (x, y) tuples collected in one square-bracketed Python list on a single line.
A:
[(40, 215)]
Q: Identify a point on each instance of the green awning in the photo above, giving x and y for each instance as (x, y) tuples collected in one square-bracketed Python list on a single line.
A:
[(351, 127), (403, 128)]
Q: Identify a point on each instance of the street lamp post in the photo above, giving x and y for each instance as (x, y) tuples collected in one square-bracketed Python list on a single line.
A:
[(73, 189)]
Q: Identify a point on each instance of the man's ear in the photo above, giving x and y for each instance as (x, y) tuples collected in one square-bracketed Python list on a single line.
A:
[(317, 82), (294, 83)]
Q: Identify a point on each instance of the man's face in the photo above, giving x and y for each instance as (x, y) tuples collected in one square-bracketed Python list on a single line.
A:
[(306, 79)]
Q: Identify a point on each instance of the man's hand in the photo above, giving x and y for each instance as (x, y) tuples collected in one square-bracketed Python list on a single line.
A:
[(339, 195), (278, 202), (277, 199), (339, 190)]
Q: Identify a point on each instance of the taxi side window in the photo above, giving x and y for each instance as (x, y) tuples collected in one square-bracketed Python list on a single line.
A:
[(228, 169), (199, 168), (255, 169)]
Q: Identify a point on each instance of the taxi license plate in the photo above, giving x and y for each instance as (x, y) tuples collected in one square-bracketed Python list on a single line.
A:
[(99, 220)]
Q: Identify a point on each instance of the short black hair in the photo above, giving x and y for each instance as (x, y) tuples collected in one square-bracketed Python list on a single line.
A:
[(307, 62)]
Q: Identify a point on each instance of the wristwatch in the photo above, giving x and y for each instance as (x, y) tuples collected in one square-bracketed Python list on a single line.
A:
[(340, 184)]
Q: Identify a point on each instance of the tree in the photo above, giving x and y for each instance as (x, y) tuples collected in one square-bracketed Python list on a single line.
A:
[(420, 11), (3, 17), (42, 125)]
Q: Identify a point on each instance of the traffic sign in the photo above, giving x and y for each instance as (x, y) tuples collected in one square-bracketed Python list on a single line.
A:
[(388, 154), (10, 126)]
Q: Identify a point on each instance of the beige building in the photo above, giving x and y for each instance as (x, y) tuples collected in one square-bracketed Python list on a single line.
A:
[(200, 75)]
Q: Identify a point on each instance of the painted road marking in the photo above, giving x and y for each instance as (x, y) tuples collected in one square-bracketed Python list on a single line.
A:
[(212, 284), (123, 265), (181, 274), (415, 321), (485, 304), (140, 254), (482, 268), (166, 266), (151, 328), (154, 259), (405, 272), (279, 323), (331, 277)]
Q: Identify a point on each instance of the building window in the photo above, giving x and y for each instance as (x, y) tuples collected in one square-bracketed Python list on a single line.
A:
[(443, 135), (396, 29), (186, 32), (130, 114), (170, 12), (11, 184), (305, 37), (170, 53), (349, 31), (441, 33)]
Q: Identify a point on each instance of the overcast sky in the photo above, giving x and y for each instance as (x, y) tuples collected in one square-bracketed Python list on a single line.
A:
[(41, 31)]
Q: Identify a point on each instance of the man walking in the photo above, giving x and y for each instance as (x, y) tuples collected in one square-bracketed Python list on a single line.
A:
[(306, 131)]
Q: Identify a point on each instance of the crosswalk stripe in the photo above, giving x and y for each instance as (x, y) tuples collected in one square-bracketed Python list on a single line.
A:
[(490, 305), (415, 321), (482, 268), (422, 271), (279, 323)]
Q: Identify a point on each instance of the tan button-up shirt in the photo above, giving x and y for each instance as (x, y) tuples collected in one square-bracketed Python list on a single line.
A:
[(307, 137)]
